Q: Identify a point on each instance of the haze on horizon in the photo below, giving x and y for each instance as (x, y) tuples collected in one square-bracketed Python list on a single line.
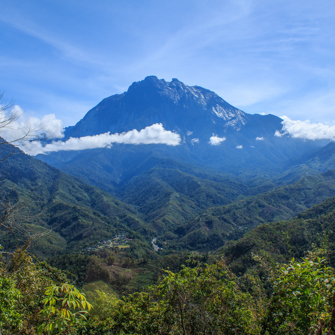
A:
[(62, 58)]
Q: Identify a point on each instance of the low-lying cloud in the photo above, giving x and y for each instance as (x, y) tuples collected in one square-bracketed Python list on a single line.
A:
[(260, 138), (216, 140), (16, 126), (239, 147), (155, 134), (306, 130)]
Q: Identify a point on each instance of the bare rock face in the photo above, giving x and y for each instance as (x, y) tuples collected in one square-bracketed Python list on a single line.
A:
[(178, 107)]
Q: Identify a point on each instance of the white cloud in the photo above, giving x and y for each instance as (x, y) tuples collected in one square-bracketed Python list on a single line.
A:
[(155, 134), (239, 147), (20, 126), (194, 140), (306, 129), (189, 133), (260, 138), (215, 140), (279, 134), (52, 127)]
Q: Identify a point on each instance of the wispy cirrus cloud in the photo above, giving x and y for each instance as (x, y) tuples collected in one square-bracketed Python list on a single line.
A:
[(32, 29)]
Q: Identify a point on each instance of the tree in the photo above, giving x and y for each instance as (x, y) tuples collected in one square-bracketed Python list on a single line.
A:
[(205, 299), (8, 121), (302, 301), (9, 297), (64, 309), (35, 295)]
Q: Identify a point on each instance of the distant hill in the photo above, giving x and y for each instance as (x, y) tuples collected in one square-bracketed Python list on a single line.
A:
[(168, 195), (318, 160), (214, 226), (163, 202), (284, 240)]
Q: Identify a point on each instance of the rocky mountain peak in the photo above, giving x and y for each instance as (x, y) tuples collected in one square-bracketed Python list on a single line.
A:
[(174, 104)]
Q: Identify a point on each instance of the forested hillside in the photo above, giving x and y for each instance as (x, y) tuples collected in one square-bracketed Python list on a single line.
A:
[(69, 213), (284, 240), (213, 227)]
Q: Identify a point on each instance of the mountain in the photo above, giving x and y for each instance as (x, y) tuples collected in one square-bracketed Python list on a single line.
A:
[(69, 213), (167, 197), (213, 134), (178, 107)]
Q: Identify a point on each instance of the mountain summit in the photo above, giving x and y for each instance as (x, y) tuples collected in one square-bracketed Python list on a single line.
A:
[(178, 107)]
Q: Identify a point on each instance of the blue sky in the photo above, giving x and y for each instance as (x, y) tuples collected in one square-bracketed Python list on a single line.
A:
[(64, 57)]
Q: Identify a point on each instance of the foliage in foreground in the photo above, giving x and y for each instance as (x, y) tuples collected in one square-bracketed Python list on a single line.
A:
[(199, 299), (36, 298), (209, 299), (303, 299)]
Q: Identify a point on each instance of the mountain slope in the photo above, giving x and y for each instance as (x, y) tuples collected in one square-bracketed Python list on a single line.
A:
[(70, 212), (312, 163), (285, 239), (212, 228), (169, 195)]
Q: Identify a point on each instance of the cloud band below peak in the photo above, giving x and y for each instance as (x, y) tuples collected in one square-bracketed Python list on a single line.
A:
[(154, 134)]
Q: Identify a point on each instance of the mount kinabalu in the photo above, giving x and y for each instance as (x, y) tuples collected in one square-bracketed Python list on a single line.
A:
[(242, 142), (178, 107)]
